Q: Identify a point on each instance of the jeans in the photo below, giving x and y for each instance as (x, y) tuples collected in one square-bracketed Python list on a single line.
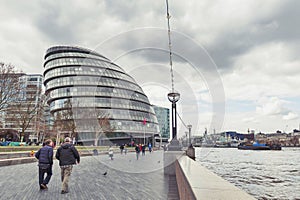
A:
[(42, 175)]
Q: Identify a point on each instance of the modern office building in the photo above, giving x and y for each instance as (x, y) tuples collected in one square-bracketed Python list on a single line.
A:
[(98, 100), (163, 118), (24, 113)]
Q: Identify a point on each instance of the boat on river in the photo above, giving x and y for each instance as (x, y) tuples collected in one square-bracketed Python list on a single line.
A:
[(258, 146)]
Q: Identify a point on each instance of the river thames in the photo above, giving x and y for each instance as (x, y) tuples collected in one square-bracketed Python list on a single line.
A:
[(263, 174)]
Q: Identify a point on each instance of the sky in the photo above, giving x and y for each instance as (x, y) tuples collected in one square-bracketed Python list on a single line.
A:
[(236, 64)]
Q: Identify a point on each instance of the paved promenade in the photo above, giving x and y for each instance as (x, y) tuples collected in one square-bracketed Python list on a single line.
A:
[(127, 178)]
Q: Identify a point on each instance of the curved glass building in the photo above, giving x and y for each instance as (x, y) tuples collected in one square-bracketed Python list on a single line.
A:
[(95, 99)]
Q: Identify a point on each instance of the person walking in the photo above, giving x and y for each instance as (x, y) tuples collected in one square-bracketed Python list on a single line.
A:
[(67, 155), (45, 157), (143, 149), (150, 147), (137, 151), (111, 153), (122, 148), (125, 150)]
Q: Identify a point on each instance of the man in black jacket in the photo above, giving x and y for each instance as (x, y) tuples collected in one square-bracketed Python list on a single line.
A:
[(67, 155), (45, 157)]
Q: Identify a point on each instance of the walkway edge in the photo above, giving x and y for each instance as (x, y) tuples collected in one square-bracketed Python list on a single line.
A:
[(197, 182), (17, 161)]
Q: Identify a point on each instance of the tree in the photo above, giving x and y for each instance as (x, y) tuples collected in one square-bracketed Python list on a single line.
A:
[(64, 121), (58, 123), (75, 116), (9, 85), (40, 119), (93, 120), (68, 119), (25, 109), (104, 127)]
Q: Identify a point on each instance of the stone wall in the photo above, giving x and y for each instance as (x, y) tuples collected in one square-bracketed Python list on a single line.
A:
[(196, 182)]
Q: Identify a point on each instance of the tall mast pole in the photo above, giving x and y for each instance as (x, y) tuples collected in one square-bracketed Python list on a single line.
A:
[(173, 96)]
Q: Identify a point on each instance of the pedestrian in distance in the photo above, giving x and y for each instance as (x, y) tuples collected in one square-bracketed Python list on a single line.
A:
[(122, 148), (137, 151), (165, 147), (68, 156), (143, 149), (150, 147), (125, 150), (111, 153), (45, 157), (95, 152)]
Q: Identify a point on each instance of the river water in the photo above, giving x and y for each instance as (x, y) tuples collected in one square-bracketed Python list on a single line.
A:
[(263, 174)]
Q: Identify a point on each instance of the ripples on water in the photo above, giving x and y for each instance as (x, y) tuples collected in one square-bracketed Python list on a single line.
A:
[(263, 174)]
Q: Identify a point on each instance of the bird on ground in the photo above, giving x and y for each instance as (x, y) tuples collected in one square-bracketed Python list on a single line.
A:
[(104, 173)]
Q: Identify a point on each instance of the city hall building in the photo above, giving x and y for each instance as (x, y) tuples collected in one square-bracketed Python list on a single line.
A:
[(104, 104)]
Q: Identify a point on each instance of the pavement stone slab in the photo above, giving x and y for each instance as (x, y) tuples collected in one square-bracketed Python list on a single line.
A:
[(127, 178)]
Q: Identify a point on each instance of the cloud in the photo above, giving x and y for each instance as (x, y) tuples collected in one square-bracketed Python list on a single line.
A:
[(267, 70), (271, 106), (254, 45), (290, 116), (249, 119), (224, 28)]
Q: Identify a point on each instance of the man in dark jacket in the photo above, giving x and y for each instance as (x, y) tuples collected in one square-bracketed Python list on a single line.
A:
[(45, 157), (67, 155), (137, 151)]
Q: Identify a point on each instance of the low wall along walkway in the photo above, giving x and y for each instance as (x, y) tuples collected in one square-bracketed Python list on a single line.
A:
[(10, 157), (196, 182)]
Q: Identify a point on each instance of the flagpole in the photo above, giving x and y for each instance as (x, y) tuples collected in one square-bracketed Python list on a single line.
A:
[(144, 134), (144, 123)]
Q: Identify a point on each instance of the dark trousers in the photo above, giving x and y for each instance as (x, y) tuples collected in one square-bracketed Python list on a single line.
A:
[(42, 175)]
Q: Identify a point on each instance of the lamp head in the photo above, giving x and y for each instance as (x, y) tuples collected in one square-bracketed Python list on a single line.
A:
[(173, 96)]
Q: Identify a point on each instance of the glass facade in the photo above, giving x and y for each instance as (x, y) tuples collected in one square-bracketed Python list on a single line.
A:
[(163, 118), (88, 83)]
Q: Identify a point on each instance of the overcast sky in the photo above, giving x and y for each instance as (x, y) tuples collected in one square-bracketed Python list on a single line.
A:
[(236, 63)]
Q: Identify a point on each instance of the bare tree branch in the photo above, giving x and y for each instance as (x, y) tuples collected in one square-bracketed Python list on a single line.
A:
[(10, 85), (25, 109), (64, 120)]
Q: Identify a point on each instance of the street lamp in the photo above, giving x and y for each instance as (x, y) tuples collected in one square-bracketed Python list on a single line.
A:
[(173, 98), (190, 128), (186, 139)]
